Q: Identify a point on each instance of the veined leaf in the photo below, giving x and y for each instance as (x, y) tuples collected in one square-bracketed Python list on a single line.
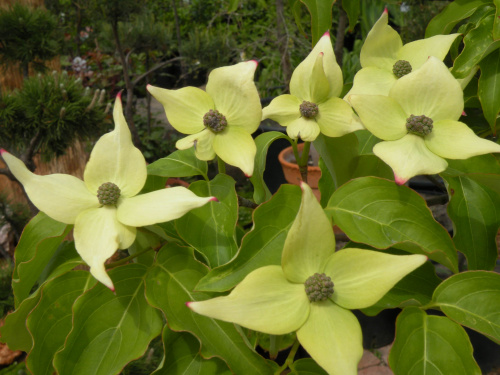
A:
[(181, 163), (321, 17)]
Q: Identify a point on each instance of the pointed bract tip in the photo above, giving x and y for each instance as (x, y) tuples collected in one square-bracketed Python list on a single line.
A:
[(386, 11), (212, 199), (327, 33), (255, 62), (2, 151), (188, 303), (119, 95), (112, 288), (248, 175), (463, 114), (321, 53), (400, 180), (303, 185)]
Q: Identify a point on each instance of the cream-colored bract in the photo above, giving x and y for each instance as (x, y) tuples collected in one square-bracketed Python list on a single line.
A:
[(273, 300), (318, 80), (99, 230), (231, 91), (431, 91), (383, 47)]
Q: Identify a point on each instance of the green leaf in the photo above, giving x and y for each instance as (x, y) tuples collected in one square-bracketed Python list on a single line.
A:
[(182, 357), (263, 142), (472, 299), (181, 163), (456, 11), (430, 345), (474, 210), (381, 213), (39, 241), (339, 155), (321, 17), (233, 6), (14, 332), (496, 25), (262, 245), (479, 43), (169, 285), (306, 366), (415, 289), (110, 329), (366, 141), (50, 322), (489, 88), (326, 185), (353, 10), (296, 7), (210, 229)]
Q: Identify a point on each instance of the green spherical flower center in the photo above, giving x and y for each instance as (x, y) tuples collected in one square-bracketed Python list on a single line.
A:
[(215, 121), (319, 287), (401, 68), (419, 125), (108, 193), (308, 109)]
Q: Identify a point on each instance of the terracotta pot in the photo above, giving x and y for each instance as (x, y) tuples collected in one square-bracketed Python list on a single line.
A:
[(292, 173)]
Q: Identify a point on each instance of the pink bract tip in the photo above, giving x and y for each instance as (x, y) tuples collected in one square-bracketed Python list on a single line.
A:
[(386, 11), (464, 114), (188, 303), (255, 62), (2, 151), (321, 53), (400, 180), (213, 199), (248, 175), (119, 95), (327, 33)]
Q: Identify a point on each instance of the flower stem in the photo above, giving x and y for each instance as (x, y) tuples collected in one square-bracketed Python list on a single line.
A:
[(302, 161), (289, 359), (127, 259), (221, 165)]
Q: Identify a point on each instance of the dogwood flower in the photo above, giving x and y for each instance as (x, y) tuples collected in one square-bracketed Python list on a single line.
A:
[(313, 105), (384, 58), (313, 290), (220, 120), (418, 122), (105, 208)]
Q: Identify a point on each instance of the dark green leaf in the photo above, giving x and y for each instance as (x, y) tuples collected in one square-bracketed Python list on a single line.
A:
[(352, 8), (169, 285), (381, 213), (456, 11), (110, 329), (263, 142), (181, 163), (326, 184), (474, 210), (182, 357), (39, 241), (430, 345), (479, 43), (473, 300), (321, 17), (50, 322), (306, 366), (489, 88), (210, 229), (339, 155), (262, 245)]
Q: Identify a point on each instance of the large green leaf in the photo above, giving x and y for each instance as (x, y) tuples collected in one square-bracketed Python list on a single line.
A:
[(428, 345), (479, 43), (415, 289), (110, 329), (326, 185), (50, 322), (353, 9), (182, 357), (181, 163), (381, 214), (489, 88), (169, 285), (473, 300), (39, 241), (210, 229), (339, 155), (261, 193), (321, 17), (14, 332), (456, 11), (475, 211), (262, 245)]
